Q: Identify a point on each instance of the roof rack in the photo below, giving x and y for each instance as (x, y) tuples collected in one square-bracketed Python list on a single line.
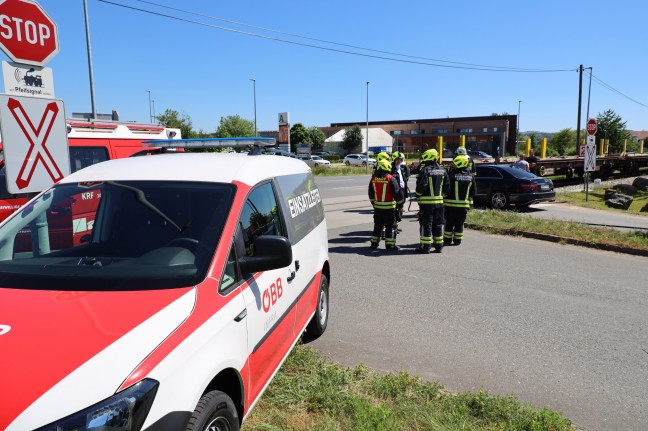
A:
[(255, 141)]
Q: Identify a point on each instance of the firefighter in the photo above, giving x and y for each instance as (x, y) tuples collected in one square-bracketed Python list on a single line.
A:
[(401, 172), (458, 200), (461, 151), (431, 184), (384, 192)]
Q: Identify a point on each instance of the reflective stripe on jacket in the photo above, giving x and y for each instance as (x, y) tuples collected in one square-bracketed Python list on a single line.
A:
[(462, 189), (381, 192), (431, 184)]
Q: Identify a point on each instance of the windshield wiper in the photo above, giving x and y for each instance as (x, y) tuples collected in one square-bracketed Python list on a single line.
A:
[(141, 198)]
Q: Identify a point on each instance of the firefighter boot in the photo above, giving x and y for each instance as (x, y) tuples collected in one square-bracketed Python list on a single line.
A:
[(423, 249)]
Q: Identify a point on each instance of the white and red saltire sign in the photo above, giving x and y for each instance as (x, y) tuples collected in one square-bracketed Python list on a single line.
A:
[(34, 142)]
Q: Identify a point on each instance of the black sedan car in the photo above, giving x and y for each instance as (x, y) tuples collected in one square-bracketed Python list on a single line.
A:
[(500, 186)]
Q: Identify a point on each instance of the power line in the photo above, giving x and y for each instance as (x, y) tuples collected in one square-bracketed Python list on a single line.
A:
[(503, 68), (455, 65), (614, 90)]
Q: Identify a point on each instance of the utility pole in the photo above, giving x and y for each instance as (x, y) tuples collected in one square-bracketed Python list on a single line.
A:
[(92, 95), (580, 96)]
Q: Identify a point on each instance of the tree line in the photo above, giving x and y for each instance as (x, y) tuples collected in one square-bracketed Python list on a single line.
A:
[(562, 143)]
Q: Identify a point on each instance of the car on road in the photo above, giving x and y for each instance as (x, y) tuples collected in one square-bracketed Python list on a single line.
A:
[(174, 307), (322, 153), (316, 161), (501, 186), (358, 160)]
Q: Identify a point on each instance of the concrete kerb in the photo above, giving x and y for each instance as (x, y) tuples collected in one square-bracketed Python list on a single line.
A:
[(562, 240)]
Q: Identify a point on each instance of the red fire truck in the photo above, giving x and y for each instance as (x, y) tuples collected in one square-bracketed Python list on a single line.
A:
[(92, 142)]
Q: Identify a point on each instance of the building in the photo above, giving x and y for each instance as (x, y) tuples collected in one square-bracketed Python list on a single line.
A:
[(379, 140), (488, 133)]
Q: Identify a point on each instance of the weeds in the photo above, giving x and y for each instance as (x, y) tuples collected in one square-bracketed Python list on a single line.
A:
[(310, 392)]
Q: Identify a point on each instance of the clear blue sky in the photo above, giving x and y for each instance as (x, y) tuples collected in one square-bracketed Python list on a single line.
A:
[(204, 71)]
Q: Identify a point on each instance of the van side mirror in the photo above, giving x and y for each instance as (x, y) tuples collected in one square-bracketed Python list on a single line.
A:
[(270, 252)]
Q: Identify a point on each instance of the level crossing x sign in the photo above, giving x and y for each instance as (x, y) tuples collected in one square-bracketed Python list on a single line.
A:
[(34, 141), (590, 154)]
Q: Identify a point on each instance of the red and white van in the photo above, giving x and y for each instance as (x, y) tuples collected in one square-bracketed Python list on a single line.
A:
[(178, 305), (92, 142)]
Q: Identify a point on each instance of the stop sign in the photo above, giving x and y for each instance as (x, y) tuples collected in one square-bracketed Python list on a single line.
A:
[(27, 34), (591, 126)]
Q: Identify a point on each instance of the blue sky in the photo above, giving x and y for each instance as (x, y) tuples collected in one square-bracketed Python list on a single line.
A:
[(204, 71)]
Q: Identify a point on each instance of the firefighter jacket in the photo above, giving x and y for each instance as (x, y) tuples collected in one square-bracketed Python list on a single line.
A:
[(384, 190), (431, 184), (461, 190)]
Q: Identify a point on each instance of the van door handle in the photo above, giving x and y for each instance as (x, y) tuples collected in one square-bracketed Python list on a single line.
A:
[(241, 315), (292, 276)]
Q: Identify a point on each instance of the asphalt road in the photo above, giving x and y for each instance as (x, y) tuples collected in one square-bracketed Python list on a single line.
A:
[(555, 325)]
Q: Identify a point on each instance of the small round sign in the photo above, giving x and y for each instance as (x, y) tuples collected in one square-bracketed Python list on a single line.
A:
[(591, 126)]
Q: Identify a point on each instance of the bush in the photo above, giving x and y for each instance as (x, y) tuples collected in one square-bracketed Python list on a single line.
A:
[(333, 158)]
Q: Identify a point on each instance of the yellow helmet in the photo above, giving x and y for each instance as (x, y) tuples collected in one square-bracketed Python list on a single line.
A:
[(384, 165), (382, 156), (430, 154), (460, 162), (397, 155)]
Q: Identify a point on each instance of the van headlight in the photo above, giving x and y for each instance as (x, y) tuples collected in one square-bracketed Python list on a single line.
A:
[(124, 411)]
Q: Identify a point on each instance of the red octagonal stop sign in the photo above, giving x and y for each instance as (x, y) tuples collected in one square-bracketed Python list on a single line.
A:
[(27, 34)]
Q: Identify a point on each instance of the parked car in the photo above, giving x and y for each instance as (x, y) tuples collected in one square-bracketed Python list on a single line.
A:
[(322, 153), (279, 152), (358, 160), (479, 155), (315, 161), (177, 304), (500, 186)]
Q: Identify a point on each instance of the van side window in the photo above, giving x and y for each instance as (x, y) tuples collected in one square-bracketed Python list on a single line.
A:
[(260, 216), (81, 157), (230, 273)]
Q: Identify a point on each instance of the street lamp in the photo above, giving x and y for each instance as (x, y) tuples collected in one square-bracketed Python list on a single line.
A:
[(150, 109), (92, 95), (517, 134), (367, 130), (255, 117)]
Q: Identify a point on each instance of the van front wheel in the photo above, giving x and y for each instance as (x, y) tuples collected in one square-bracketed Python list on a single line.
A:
[(215, 412)]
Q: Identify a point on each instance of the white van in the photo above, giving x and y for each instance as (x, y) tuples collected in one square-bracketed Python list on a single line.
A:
[(171, 305)]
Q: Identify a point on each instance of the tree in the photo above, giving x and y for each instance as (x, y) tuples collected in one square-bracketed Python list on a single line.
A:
[(611, 125), (563, 141), (316, 138), (352, 139), (234, 126), (172, 118), (298, 135)]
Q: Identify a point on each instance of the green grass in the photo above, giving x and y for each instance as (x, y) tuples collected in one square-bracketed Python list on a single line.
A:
[(342, 170), (596, 199), (310, 392), (510, 222)]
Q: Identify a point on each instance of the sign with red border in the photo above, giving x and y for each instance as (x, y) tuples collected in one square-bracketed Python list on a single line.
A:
[(34, 141)]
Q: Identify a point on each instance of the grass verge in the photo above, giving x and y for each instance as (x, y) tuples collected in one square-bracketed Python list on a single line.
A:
[(332, 171), (310, 392), (510, 223), (596, 199)]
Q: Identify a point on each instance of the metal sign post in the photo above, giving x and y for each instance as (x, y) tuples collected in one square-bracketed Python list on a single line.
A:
[(590, 154)]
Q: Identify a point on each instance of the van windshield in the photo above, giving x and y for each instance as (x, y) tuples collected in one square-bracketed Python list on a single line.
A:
[(115, 235)]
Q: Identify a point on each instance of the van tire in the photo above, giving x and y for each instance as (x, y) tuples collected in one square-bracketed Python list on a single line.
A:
[(215, 411), (318, 323)]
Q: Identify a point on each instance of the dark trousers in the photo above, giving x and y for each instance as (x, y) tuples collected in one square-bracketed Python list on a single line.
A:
[(455, 219), (431, 221), (384, 218)]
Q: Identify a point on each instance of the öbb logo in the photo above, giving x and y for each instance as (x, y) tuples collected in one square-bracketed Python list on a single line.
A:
[(271, 295)]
